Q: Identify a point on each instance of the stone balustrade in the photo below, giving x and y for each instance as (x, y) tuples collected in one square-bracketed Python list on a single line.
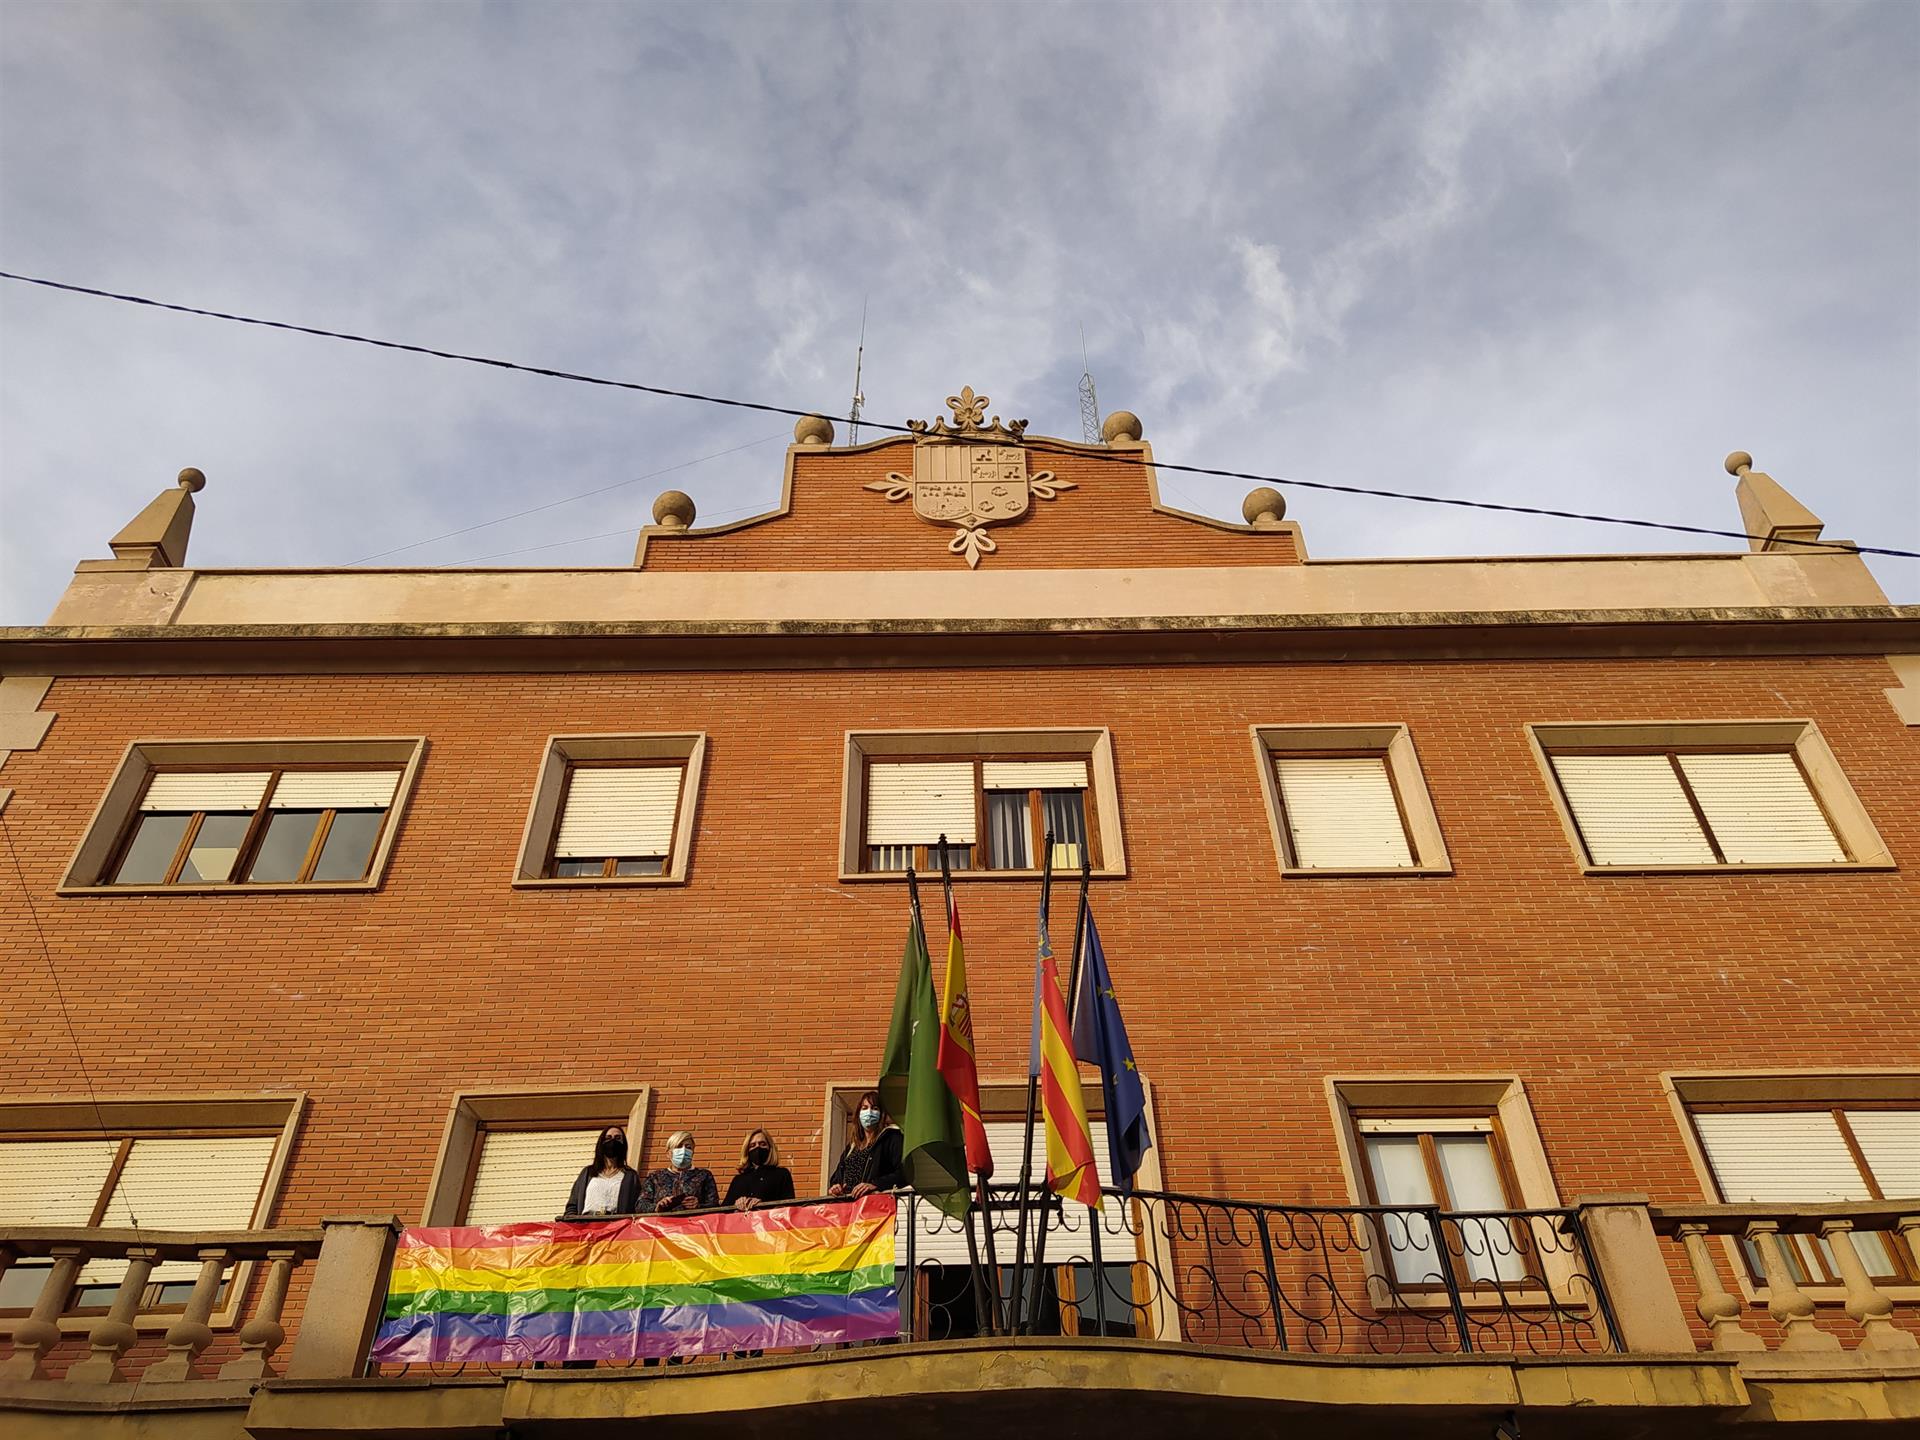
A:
[(1805, 1254), (350, 1259)]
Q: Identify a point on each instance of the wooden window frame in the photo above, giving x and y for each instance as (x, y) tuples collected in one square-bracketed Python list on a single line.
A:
[(116, 819), (128, 1119), (1106, 845), (924, 859), (475, 1113), (1390, 743), (561, 757), (1853, 829)]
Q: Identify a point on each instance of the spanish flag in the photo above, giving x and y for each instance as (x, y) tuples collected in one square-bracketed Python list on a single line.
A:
[(1070, 1170), (956, 1048)]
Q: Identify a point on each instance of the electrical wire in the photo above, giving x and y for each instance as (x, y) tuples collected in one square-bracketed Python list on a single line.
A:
[(1108, 458), (583, 539)]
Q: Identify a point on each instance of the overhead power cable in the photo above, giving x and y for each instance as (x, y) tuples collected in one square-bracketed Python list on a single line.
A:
[(1106, 458)]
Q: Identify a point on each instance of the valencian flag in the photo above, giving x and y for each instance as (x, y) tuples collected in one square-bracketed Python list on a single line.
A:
[(956, 1047), (1070, 1169), (1100, 1038), (913, 1089)]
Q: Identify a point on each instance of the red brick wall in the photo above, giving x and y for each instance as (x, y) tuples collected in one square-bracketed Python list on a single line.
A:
[(835, 524), (743, 994)]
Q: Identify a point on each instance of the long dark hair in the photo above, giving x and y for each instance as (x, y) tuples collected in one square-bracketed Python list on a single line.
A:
[(600, 1156), (861, 1139)]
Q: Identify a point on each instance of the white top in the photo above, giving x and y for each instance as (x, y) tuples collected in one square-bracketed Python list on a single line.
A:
[(603, 1193)]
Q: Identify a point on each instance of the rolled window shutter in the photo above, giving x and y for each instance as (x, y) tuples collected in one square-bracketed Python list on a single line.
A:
[(52, 1182), (1785, 1157), (1890, 1139), (1760, 808), (526, 1174), (1341, 813), (942, 1240), (1034, 775), (335, 790), (1632, 810), (181, 1184), (194, 790), (915, 803), (619, 811)]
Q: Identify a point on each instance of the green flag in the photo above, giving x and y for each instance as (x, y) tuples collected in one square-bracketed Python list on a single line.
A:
[(913, 1089)]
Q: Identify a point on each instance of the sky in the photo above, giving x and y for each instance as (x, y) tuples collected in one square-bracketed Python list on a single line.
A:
[(1546, 255)]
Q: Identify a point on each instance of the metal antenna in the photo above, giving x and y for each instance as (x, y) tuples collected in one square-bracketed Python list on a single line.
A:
[(1089, 402), (859, 359)]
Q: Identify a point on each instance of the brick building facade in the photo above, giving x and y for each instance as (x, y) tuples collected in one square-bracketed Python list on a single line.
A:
[(1584, 1005)]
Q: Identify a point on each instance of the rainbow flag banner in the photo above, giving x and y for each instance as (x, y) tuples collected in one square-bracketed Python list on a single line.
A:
[(644, 1285)]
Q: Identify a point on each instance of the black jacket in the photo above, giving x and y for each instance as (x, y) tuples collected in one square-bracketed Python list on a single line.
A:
[(879, 1165), (629, 1191), (761, 1182)]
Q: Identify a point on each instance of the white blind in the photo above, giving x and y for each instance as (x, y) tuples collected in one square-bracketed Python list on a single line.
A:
[(1033, 775), (1632, 810), (335, 790), (195, 790), (52, 1182), (1341, 813), (526, 1174), (1760, 808), (1787, 1156), (941, 1239), (1890, 1139), (916, 802), (619, 811), (182, 1184)]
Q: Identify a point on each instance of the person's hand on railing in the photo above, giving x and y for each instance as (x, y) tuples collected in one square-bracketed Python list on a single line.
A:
[(746, 1202), (863, 1188)]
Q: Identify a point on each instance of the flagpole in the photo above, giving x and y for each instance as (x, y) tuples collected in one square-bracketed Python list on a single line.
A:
[(987, 1315), (1079, 937), (1014, 1307)]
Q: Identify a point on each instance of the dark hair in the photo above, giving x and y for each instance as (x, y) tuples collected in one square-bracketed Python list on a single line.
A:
[(861, 1139), (600, 1145)]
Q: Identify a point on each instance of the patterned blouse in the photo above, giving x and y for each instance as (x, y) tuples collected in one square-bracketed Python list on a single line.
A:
[(695, 1182)]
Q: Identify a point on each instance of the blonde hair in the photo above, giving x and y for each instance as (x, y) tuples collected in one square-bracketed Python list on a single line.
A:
[(674, 1140), (773, 1146)]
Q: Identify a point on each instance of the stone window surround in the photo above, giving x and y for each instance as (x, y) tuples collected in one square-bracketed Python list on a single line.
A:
[(1831, 789), (1094, 744), (1394, 744), (1814, 1086), (543, 811), (107, 826), (154, 1117), (1501, 1096), (534, 1105)]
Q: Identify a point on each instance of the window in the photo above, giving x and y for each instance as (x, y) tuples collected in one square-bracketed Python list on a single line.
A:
[(612, 809), (1457, 1163), (1348, 800), (168, 1165), (1686, 796), (995, 814), (510, 1156), (1794, 1153), (994, 795), (253, 813)]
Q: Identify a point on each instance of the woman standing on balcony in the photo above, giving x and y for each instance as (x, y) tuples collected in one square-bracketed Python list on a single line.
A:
[(761, 1177), (871, 1160), (609, 1185), (680, 1186)]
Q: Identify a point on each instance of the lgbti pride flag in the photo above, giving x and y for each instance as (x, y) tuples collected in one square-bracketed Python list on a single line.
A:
[(644, 1286), (1070, 1168)]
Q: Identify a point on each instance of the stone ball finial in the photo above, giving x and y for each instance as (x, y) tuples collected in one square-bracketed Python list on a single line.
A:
[(1739, 462), (1120, 425), (674, 509), (1265, 505), (192, 480), (813, 430)]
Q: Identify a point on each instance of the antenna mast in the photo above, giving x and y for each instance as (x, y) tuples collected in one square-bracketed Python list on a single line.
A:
[(859, 359), (1089, 402)]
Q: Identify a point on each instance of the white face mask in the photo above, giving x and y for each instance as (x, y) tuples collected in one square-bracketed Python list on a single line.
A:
[(869, 1118), (682, 1157)]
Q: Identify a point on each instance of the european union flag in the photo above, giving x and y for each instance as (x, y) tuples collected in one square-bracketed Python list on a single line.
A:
[(1100, 1038)]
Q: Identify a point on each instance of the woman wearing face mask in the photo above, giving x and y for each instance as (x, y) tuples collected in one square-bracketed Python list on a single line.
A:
[(871, 1160), (760, 1177), (680, 1186), (607, 1186)]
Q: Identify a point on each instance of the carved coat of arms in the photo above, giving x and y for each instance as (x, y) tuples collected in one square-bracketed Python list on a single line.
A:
[(970, 475)]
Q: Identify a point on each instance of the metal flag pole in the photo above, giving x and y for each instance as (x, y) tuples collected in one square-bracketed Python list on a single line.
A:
[(987, 1315), (1079, 936), (1033, 1099)]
